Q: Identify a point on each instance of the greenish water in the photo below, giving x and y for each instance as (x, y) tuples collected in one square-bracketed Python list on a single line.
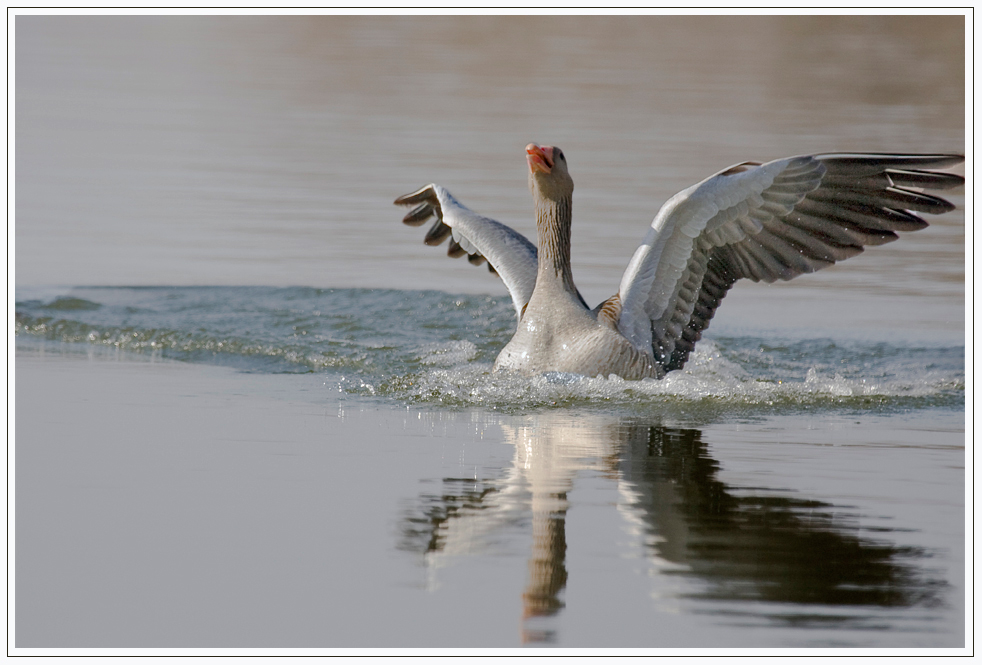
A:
[(432, 348)]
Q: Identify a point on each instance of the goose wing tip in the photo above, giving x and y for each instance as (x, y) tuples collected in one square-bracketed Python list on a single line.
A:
[(424, 193)]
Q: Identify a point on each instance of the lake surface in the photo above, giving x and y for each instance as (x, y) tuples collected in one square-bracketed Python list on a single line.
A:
[(216, 191)]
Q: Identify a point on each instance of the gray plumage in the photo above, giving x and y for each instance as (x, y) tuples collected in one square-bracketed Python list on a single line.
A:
[(763, 222)]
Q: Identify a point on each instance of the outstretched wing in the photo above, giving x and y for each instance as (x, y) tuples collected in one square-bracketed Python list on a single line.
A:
[(765, 222), (508, 252)]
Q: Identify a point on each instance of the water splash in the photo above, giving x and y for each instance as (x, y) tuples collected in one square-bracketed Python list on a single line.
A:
[(710, 381)]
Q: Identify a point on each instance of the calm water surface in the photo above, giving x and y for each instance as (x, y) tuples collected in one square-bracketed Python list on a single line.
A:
[(801, 483)]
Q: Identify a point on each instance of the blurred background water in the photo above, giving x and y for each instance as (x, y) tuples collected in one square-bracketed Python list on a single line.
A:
[(218, 190), (267, 150)]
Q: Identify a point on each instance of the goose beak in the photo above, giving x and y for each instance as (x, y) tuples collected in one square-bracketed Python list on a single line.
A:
[(539, 159)]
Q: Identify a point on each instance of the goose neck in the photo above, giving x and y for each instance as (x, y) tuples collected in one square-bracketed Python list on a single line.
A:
[(553, 220)]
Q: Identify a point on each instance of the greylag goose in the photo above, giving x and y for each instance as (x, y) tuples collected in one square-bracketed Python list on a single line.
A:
[(761, 222)]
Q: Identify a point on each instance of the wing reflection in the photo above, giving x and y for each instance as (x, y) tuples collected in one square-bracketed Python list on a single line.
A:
[(736, 543), (749, 544)]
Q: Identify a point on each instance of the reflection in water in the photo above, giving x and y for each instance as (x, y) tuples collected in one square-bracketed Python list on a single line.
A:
[(750, 546), (547, 565), (734, 543)]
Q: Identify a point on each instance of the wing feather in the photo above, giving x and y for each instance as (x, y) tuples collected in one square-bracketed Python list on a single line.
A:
[(508, 253), (766, 222)]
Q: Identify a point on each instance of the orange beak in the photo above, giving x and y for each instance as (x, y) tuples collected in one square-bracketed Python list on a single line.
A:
[(539, 159)]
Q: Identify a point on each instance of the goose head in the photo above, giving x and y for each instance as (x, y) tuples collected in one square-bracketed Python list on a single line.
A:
[(549, 177)]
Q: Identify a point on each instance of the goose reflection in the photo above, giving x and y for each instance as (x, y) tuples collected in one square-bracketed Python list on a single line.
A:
[(739, 543)]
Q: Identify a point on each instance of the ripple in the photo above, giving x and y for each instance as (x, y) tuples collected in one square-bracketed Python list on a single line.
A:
[(429, 347)]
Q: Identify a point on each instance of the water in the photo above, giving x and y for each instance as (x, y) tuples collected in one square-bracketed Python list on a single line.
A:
[(808, 491), (434, 348), (254, 150), (193, 192)]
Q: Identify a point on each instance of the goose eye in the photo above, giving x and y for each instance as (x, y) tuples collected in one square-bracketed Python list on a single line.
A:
[(561, 156)]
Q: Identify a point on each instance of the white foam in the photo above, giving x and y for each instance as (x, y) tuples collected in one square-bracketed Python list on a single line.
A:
[(449, 354), (453, 378)]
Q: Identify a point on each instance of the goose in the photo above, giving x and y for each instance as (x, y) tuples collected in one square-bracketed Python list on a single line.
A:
[(756, 221)]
